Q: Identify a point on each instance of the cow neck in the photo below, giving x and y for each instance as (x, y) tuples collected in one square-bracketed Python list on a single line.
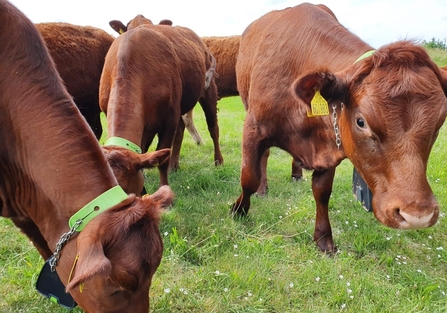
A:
[(124, 143), (80, 219), (104, 201)]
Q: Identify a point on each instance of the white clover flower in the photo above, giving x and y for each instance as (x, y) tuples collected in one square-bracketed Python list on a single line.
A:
[(317, 278), (167, 290)]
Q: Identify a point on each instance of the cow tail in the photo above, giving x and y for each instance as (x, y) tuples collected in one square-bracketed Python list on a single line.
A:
[(210, 72)]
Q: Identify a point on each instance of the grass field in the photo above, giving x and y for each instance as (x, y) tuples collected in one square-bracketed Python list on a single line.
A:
[(267, 262)]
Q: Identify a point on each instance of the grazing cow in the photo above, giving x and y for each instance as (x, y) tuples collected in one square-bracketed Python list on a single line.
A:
[(79, 53), (145, 93), (53, 173), (382, 112)]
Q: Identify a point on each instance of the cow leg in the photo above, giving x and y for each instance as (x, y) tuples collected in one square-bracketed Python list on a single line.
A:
[(297, 171), (263, 185), (210, 109), (322, 188), (176, 145), (189, 124), (165, 140), (29, 228), (252, 153)]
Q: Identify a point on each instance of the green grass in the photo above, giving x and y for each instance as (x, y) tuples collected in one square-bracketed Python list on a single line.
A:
[(267, 262)]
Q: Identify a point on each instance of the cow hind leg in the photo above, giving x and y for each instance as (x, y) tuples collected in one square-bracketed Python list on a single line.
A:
[(209, 106), (322, 188), (176, 146)]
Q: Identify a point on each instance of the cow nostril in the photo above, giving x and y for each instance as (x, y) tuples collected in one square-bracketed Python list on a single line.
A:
[(397, 216)]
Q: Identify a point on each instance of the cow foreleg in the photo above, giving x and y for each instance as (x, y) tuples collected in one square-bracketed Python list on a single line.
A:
[(297, 171), (250, 169), (322, 188), (263, 185)]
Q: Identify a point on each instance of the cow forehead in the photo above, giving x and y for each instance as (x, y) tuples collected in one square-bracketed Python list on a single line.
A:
[(411, 93)]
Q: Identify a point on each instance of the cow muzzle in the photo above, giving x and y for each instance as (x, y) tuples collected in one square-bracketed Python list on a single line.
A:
[(406, 212)]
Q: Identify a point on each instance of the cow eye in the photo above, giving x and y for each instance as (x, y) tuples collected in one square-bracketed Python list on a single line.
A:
[(360, 122)]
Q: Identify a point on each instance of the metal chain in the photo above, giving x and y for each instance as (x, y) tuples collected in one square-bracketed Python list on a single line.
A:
[(336, 129), (61, 243)]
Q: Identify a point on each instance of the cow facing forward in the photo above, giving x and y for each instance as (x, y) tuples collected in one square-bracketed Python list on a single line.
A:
[(383, 112), (52, 169)]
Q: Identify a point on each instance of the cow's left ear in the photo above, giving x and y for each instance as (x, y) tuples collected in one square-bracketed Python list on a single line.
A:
[(90, 262), (330, 86), (118, 26)]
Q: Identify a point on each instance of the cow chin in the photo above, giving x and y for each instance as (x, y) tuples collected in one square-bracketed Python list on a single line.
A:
[(394, 213)]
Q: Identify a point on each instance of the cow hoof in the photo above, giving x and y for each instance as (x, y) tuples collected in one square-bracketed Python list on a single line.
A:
[(237, 211), (296, 178)]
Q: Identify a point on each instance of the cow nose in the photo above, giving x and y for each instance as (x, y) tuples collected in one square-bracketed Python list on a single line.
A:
[(410, 221)]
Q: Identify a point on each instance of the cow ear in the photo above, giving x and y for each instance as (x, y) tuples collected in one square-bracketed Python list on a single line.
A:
[(165, 22), (91, 261), (331, 86), (118, 26), (443, 78), (153, 159)]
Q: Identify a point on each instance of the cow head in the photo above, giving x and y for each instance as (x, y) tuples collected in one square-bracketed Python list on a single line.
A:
[(118, 253), (120, 28), (393, 104), (128, 165)]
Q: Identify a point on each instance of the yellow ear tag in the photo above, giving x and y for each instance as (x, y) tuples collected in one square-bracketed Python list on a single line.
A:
[(318, 105), (121, 31), (73, 267)]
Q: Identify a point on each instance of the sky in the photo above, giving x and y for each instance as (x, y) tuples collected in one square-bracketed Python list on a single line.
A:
[(377, 22)]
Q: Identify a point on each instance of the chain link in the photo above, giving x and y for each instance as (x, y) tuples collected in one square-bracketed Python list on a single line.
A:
[(61, 243), (336, 129)]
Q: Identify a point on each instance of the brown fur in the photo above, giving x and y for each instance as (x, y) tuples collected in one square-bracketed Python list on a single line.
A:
[(188, 62), (79, 53), (51, 165), (225, 49), (393, 105)]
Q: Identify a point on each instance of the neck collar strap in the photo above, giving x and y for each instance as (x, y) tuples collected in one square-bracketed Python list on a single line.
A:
[(121, 142), (103, 202), (365, 55)]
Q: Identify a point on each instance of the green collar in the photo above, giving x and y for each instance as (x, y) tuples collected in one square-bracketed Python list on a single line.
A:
[(365, 55), (121, 142), (104, 201)]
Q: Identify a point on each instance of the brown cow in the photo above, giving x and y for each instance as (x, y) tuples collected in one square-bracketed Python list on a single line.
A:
[(79, 53), (225, 50), (52, 167), (385, 113), (136, 107)]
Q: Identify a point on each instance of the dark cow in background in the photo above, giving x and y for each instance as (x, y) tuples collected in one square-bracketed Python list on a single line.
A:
[(79, 53), (52, 167), (152, 75), (382, 112)]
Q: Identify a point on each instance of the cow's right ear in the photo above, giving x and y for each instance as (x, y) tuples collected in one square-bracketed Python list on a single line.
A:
[(331, 86), (118, 26), (152, 159)]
